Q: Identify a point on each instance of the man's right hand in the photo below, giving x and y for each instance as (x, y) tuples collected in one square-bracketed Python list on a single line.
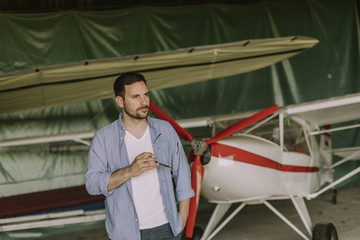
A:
[(143, 162)]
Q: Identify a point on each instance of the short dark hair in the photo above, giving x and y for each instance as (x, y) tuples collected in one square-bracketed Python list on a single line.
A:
[(126, 79)]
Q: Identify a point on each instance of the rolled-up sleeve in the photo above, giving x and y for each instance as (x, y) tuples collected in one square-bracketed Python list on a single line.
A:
[(97, 175), (181, 170)]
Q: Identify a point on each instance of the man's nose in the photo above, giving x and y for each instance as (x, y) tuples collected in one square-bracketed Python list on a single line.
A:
[(143, 100)]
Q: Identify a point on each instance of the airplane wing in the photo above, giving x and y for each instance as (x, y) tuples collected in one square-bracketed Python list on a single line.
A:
[(328, 111), (331, 111), (93, 79), (320, 112)]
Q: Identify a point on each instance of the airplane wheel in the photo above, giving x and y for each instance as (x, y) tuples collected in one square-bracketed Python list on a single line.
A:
[(324, 231)]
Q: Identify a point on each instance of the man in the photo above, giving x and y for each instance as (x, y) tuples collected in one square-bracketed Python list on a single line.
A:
[(131, 162)]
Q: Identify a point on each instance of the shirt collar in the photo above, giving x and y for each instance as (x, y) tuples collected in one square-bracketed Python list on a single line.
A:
[(153, 124)]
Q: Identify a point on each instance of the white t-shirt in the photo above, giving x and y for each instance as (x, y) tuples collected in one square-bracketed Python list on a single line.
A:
[(146, 189)]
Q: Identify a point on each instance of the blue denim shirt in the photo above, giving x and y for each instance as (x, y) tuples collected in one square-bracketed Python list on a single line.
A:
[(108, 153)]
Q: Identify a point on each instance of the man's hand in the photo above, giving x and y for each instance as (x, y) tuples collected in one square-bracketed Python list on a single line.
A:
[(142, 163)]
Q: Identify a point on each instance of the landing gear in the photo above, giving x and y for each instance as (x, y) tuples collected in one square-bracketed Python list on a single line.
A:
[(324, 231)]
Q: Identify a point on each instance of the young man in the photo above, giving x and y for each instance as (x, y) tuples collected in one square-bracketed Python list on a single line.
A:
[(130, 162)]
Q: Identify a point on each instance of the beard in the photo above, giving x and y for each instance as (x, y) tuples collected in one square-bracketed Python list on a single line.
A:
[(138, 114)]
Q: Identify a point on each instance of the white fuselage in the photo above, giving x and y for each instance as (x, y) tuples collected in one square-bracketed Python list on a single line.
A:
[(256, 168)]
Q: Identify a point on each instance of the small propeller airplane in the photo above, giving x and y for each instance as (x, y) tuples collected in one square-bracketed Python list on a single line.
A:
[(269, 155)]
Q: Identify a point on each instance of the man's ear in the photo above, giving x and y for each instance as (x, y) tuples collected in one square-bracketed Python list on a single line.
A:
[(120, 101)]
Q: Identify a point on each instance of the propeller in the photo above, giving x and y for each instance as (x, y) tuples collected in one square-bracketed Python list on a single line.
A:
[(199, 148)]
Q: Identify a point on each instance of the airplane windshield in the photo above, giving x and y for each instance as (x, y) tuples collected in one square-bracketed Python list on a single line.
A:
[(294, 137)]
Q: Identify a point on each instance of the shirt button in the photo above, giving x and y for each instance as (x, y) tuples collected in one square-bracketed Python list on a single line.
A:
[(136, 220)]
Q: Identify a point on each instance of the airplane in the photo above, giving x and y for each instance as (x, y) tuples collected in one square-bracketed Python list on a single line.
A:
[(281, 148), (271, 155)]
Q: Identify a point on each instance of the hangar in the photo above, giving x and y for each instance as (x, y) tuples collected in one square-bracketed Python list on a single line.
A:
[(37, 37)]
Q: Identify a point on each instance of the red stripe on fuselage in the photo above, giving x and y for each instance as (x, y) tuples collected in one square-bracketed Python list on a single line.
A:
[(233, 153)]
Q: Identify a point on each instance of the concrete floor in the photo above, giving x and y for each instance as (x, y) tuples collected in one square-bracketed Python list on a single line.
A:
[(258, 222)]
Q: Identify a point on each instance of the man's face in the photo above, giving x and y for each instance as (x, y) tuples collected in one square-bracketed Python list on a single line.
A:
[(136, 102)]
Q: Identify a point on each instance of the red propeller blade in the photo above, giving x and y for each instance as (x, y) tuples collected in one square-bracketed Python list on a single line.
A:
[(179, 130), (196, 181), (242, 124)]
